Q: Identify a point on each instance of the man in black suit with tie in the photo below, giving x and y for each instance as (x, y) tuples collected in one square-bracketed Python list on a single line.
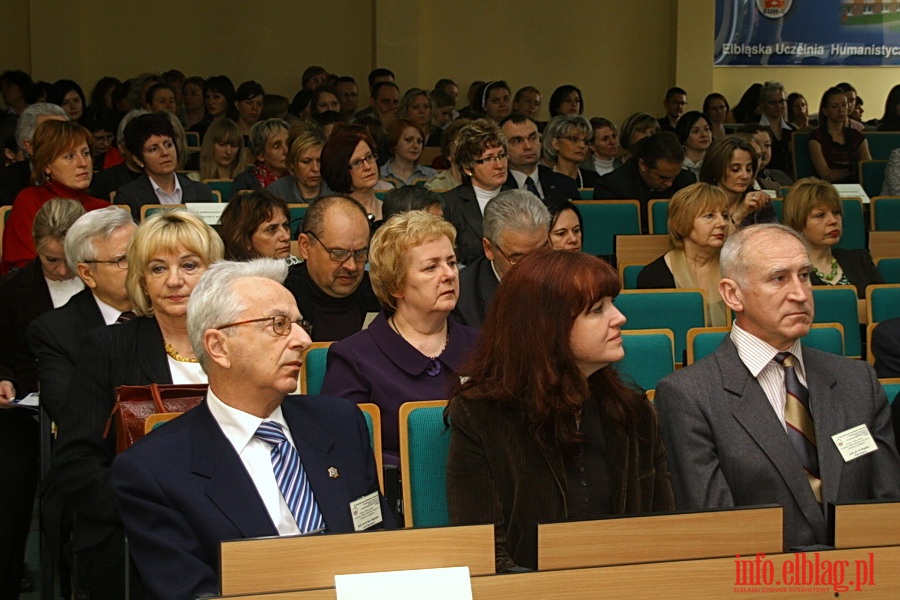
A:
[(524, 149), (250, 460)]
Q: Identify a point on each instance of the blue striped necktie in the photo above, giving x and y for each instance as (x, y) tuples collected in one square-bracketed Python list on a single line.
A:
[(798, 418), (291, 477)]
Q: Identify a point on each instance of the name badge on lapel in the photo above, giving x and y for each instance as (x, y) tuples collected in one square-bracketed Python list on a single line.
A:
[(366, 512), (855, 442)]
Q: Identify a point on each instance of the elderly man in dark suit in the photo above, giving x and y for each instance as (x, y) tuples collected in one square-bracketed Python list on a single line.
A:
[(95, 250), (766, 420), (251, 460), (516, 224)]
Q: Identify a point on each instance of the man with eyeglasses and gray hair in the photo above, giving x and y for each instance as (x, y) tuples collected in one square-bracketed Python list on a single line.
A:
[(516, 223), (331, 285), (252, 459)]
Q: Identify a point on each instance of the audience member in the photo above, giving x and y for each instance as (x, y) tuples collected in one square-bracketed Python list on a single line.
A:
[(248, 101), (525, 171), (541, 427), (753, 422), (252, 362), (257, 224), (772, 105), (61, 168), (222, 151), (406, 139), (834, 148), (761, 137), (635, 128), (348, 94), (331, 286), (566, 226), (566, 100), (218, 100), (151, 141), (695, 135), (496, 101), (604, 146), (68, 95), (516, 224), (349, 166), (17, 176), (527, 102), (813, 209), (698, 225), (303, 183), (798, 112), (674, 103), (410, 351), (412, 197), (107, 182), (890, 120), (565, 146), (194, 110), (166, 257), (40, 286), (161, 97), (653, 171), (731, 164), (886, 348), (716, 111), (268, 145)]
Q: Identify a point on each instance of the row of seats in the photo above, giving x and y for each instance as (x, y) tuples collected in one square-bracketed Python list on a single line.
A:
[(881, 144)]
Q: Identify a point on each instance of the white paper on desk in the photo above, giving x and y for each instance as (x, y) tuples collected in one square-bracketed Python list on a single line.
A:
[(452, 583), (852, 190)]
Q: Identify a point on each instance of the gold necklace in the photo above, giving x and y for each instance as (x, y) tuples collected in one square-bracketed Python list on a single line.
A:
[(173, 353)]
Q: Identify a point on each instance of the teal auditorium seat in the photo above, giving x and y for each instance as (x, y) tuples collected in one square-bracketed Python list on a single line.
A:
[(871, 176), (884, 301), (889, 269), (885, 213), (778, 205), (424, 445), (659, 216), (704, 341), (854, 234), (223, 186), (649, 356), (314, 364), (297, 213), (826, 338), (630, 276), (891, 388), (800, 150), (604, 220), (882, 143), (677, 310), (838, 304)]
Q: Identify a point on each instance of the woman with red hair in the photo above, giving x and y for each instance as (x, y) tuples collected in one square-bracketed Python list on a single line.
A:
[(542, 428)]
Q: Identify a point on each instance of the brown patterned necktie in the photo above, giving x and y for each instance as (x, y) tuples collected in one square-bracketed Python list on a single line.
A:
[(800, 428)]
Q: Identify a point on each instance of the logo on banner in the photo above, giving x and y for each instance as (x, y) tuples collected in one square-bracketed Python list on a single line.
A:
[(774, 9)]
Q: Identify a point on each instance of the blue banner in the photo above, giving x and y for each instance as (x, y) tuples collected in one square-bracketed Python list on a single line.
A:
[(807, 32)]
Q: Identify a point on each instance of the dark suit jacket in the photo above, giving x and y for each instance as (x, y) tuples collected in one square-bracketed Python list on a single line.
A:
[(556, 186), (461, 209), (24, 296), (857, 266), (129, 354), (140, 192), (656, 275), (626, 183), (886, 348), (183, 489), (55, 338), (13, 179), (497, 473), (110, 180), (477, 284), (727, 446)]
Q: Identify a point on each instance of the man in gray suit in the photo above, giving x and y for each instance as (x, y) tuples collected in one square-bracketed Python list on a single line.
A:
[(733, 422)]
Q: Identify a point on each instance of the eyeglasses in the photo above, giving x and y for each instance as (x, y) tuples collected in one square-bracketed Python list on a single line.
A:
[(371, 157), (574, 139), (495, 158), (280, 324), (341, 255), (121, 262)]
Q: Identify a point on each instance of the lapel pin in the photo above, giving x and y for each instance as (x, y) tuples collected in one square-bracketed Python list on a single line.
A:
[(333, 472)]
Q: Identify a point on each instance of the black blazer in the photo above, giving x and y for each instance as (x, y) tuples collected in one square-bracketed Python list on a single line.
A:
[(886, 348), (140, 192), (626, 183), (129, 354), (657, 275), (13, 179), (462, 210), (24, 296), (477, 284), (556, 186), (55, 338)]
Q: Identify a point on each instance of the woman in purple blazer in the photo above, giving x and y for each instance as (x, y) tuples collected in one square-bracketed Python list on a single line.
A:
[(411, 351)]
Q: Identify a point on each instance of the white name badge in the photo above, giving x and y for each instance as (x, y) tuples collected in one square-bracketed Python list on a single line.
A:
[(855, 442), (366, 512)]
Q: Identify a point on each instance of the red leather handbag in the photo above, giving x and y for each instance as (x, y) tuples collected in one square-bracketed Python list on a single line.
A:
[(134, 403)]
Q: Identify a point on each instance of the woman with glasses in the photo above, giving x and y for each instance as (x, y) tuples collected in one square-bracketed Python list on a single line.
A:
[(411, 351), (350, 166), (566, 140), (542, 429), (836, 149), (773, 106), (480, 154), (166, 257)]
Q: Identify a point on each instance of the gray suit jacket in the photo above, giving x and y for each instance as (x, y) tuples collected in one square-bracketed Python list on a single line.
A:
[(727, 447)]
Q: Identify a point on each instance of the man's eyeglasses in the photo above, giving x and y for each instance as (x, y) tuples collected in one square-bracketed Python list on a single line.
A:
[(280, 324), (371, 157), (121, 262), (341, 255)]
